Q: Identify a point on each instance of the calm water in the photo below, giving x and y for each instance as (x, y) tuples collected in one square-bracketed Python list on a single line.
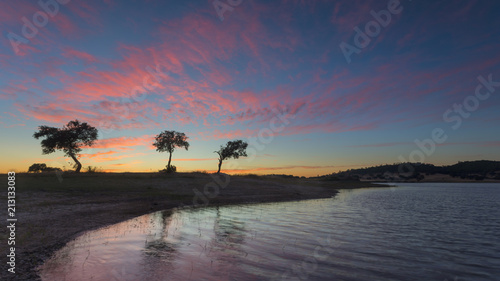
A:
[(413, 232)]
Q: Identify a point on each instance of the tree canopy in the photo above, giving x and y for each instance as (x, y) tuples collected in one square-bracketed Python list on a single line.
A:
[(70, 139), (37, 168), (232, 149), (41, 167)]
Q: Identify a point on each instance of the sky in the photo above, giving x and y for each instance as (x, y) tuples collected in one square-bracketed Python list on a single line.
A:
[(314, 86)]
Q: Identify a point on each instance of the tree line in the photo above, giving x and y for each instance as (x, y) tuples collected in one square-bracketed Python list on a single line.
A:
[(73, 136), (476, 170)]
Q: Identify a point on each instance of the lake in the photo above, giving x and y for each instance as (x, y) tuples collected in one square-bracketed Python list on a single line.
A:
[(424, 231)]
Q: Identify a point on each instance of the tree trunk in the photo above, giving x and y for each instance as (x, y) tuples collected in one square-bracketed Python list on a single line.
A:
[(78, 164), (169, 160), (220, 164)]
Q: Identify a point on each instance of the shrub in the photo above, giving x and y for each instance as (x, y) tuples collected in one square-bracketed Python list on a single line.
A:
[(41, 167), (37, 168), (51, 169), (169, 170), (93, 169)]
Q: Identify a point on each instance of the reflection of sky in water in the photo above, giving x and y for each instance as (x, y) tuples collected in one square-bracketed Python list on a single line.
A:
[(410, 233), (209, 244)]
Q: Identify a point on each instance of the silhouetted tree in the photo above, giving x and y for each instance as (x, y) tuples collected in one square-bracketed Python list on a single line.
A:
[(168, 141), (37, 168), (233, 149), (69, 139)]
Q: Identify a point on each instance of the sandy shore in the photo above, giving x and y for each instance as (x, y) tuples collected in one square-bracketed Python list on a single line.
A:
[(53, 210)]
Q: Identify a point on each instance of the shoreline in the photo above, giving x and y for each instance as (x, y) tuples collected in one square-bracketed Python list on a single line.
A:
[(51, 212)]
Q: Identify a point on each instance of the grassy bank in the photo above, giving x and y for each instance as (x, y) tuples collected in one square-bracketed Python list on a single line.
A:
[(52, 210)]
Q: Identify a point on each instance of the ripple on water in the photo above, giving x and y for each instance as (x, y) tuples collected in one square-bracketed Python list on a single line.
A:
[(415, 232)]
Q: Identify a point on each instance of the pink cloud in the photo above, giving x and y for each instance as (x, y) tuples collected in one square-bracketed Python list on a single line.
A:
[(103, 158), (346, 100), (194, 159), (65, 25), (232, 134), (72, 53), (98, 154), (121, 142), (13, 11)]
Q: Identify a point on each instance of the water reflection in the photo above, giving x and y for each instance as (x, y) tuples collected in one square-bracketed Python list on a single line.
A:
[(160, 249), (420, 232), (225, 247)]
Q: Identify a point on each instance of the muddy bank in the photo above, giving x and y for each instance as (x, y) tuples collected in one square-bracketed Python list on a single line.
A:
[(53, 210)]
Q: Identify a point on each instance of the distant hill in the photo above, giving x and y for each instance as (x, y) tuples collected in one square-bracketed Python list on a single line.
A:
[(468, 170)]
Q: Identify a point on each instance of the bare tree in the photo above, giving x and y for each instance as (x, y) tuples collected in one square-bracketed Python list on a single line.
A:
[(233, 149), (70, 138)]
